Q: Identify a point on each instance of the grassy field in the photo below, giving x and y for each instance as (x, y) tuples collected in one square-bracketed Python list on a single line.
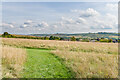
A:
[(41, 64), (105, 48), (86, 59), (90, 65), (13, 60)]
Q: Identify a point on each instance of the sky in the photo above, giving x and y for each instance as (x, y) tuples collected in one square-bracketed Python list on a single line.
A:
[(60, 0), (59, 17)]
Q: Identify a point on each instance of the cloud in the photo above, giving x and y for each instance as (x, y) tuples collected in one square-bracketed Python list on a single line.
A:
[(55, 26), (24, 26), (111, 7), (90, 12), (107, 21), (43, 24), (31, 24), (81, 20), (6, 25), (67, 20), (11, 26), (28, 22), (90, 19), (77, 21)]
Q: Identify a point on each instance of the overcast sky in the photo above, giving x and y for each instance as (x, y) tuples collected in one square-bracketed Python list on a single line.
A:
[(59, 17)]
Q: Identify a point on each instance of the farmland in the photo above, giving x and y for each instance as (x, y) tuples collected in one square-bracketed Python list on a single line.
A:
[(84, 59)]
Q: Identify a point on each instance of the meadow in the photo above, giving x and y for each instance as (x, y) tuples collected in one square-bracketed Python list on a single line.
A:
[(13, 60), (85, 59)]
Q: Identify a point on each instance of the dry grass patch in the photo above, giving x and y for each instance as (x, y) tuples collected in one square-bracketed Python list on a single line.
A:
[(90, 65), (106, 48), (12, 61)]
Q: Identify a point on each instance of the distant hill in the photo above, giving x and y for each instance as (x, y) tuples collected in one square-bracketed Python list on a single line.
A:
[(83, 35)]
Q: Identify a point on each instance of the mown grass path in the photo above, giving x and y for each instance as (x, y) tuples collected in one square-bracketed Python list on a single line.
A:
[(42, 64)]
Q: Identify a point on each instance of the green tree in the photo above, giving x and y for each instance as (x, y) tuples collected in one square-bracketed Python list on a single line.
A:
[(51, 38), (46, 38), (103, 40), (56, 38), (5, 33), (61, 38), (77, 39), (73, 38)]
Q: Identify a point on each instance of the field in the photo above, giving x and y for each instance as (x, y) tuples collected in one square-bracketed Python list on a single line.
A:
[(85, 59), (13, 60)]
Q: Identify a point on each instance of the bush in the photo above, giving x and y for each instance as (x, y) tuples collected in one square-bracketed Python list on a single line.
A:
[(7, 35), (85, 40), (104, 40), (51, 38), (46, 38), (73, 38), (110, 40)]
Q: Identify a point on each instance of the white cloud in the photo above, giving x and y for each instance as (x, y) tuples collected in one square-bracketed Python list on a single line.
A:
[(24, 26), (11, 26), (67, 20), (107, 21), (43, 24), (31, 24), (112, 7), (90, 19), (55, 26), (7, 25), (28, 22), (86, 20), (81, 20), (90, 12)]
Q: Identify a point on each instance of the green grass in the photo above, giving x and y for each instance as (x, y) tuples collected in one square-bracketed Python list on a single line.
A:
[(42, 64)]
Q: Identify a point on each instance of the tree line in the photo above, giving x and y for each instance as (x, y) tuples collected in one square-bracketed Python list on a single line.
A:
[(7, 35)]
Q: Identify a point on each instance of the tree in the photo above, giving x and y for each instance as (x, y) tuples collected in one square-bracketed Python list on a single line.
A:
[(73, 38), (61, 38), (77, 39), (46, 38), (110, 40), (5, 33), (51, 38), (56, 38), (103, 40)]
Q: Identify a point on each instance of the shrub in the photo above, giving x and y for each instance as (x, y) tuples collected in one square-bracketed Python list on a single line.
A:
[(104, 40), (73, 38)]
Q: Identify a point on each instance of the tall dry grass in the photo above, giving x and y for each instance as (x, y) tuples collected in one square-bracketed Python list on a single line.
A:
[(106, 48), (87, 59), (90, 65), (12, 61)]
